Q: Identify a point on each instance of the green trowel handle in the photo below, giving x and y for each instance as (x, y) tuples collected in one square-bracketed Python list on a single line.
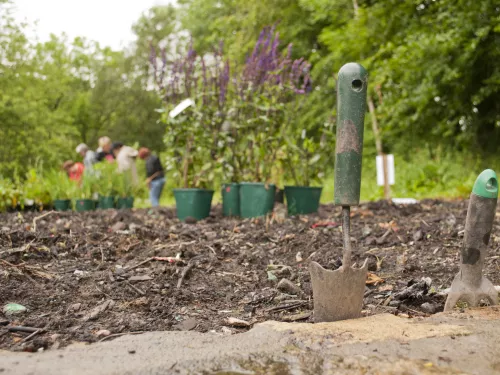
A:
[(351, 108), (478, 226)]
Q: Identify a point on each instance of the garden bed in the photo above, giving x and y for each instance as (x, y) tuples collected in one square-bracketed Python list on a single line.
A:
[(85, 276)]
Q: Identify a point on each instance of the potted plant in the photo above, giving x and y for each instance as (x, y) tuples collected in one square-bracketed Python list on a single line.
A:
[(107, 182), (86, 193), (61, 189), (305, 163), (125, 189), (195, 93), (269, 85), (194, 199)]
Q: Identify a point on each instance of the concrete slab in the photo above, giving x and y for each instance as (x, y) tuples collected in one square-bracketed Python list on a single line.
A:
[(454, 343)]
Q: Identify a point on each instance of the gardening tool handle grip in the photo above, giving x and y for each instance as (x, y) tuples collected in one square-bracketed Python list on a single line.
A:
[(480, 216), (351, 108)]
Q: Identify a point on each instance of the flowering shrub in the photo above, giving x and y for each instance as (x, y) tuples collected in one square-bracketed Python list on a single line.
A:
[(236, 128)]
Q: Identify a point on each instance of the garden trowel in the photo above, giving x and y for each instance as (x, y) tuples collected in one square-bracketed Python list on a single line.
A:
[(339, 294), (469, 284)]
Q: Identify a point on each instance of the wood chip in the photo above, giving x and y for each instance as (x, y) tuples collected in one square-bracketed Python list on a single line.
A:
[(140, 278), (297, 317), (235, 322)]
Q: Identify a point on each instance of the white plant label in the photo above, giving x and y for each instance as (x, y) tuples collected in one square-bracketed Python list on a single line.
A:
[(181, 107), (390, 169)]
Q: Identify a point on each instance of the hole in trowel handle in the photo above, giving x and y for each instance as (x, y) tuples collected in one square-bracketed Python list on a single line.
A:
[(491, 185), (357, 85)]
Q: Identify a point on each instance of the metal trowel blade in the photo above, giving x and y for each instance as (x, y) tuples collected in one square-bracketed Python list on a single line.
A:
[(338, 295)]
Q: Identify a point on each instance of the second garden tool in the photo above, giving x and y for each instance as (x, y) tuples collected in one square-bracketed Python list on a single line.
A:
[(339, 294), (470, 285)]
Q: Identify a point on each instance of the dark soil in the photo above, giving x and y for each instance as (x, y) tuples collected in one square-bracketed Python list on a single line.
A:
[(72, 271)]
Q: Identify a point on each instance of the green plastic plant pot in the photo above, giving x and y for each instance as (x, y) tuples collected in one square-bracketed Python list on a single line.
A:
[(231, 199), (127, 202), (256, 199), (62, 204), (84, 205), (195, 203), (302, 200), (106, 203)]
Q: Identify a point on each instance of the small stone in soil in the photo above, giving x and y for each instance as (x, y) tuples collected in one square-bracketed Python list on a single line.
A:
[(14, 309), (75, 307), (211, 235), (287, 286), (418, 235), (429, 308), (118, 226), (186, 325), (394, 303), (103, 333)]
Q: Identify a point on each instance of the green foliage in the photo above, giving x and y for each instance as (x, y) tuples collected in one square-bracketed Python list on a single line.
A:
[(10, 195), (35, 189), (434, 80), (59, 186), (108, 179), (58, 93), (124, 187)]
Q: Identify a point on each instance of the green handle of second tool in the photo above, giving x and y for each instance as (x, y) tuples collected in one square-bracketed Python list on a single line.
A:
[(351, 108)]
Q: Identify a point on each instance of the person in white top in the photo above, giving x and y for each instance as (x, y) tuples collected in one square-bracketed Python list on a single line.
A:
[(125, 158), (89, 156)]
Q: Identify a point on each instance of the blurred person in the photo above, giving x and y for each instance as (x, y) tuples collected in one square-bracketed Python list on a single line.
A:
[(74, 170), (104, 150), (155, 175), (125, 158), (89, 156)]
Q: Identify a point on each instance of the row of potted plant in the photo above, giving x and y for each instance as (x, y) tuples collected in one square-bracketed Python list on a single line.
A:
[(227, 124), (104, 188)]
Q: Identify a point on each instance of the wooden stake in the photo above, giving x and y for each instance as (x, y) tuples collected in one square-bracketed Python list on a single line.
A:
[(378, 145)]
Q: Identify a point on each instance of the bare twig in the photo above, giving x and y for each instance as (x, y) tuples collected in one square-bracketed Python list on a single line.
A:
[(184, 274), (121, 334), (17, 249), (136, 289), (33, 228), (23, 329), (139, 264), (32, 335), (287, 306), (163, 259)]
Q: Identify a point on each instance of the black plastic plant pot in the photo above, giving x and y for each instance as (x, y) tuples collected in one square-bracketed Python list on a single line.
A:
[(126, 202), (302, 199), (194, 203), (62, 204), (82, 205), (105, 203), (231, 199), (256, 199)]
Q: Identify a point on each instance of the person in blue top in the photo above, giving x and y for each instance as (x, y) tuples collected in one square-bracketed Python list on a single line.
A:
[(155, 175)]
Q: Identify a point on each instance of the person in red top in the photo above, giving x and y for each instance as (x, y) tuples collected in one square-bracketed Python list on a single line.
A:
[(74, 170)]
